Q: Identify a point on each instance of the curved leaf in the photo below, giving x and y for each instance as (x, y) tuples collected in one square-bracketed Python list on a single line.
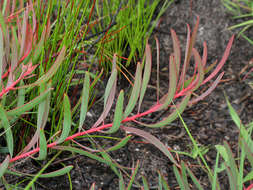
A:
[(147, 73), (109, 95), (84, 100), (22, 109), (118, 115), (7, 127), (166, 100), (67, 120), (152, 140), (135, 92), (120, 144), (174, 115), (43, 146), (4, 165), (57, 173), (50, 73)]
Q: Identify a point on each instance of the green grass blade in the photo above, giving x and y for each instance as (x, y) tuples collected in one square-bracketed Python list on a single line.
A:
[(184, 176), (239, 124), (4, 165), (145, 183), (129, 186), (248, 177), (67, 119), (30, 184), (248, 22), (231, 162), (22, 109), (7, 127), (118, 115), (135, 92), (84, 99), (214, 180), (193, 177), (163, 182), (121, 182), (119, 145), (179, 178)]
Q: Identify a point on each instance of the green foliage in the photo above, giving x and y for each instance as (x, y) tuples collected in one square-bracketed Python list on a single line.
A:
[(40, 62), (242, 9)]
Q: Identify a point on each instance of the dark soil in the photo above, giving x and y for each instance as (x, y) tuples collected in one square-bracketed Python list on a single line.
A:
[(208, 121)]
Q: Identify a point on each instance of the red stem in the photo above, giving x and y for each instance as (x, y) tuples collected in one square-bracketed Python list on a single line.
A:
[(27, 154)]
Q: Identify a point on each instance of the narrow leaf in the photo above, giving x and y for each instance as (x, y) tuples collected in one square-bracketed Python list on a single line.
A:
[(135, 92), (177, 53), (152, 140), (22, 109), (179, 178), (109, 96), (84, 99), (222, 62), (67, 119), (53, 69), (167, 99), (85, 153), (146, 74), (1, 56), (208, 91), (174, 115), (4, 165), (119, 145), (118, 115), (43, 146), (57, 173), (7, 127)]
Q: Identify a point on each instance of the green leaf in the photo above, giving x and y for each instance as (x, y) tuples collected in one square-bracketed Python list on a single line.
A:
[(118, 115), (145, 183), (43, 146), (22, 109), (119, 145), (121, 182), (248, 177), (7, 127), (167, 99), (84, 100), (239, 124), (174, 115), (57, 173), (135, 92), (146, 74), (110, 85), (85, 153), (248, 22), (163, 182), (132, 178), (67, 119), (4, 165), (179, 178), (193, 177)]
